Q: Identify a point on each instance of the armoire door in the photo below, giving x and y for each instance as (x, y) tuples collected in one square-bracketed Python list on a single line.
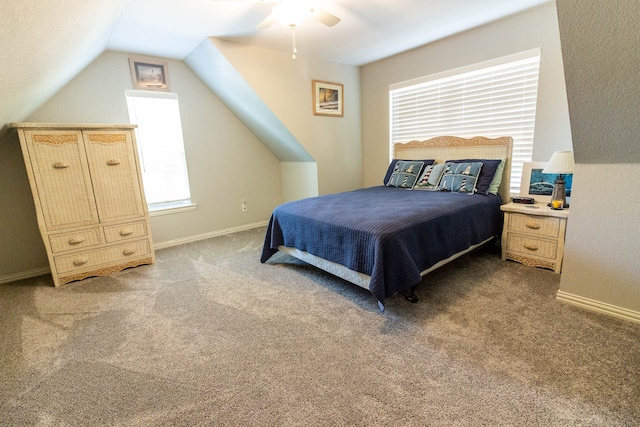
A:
[(62, 178), (114, 173)]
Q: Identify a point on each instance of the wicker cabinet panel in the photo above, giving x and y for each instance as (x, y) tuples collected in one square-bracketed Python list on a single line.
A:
[(62, 178), (125, 231), (114, 174), (75, 240), (90, 205), (96, 258), (534, 225)]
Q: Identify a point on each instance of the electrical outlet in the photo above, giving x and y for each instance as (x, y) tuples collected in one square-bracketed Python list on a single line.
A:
[(244, 206)]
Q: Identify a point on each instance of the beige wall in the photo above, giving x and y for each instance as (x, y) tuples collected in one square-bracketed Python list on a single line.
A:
[(601, 268), (537, 28), (600, 41), (21, 248), (284, 85)]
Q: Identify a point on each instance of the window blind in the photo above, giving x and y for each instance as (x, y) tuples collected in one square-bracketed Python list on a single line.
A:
[(492, 99)]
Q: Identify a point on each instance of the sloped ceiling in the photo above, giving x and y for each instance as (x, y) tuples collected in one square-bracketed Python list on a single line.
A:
[(48, 42), (45, 44)]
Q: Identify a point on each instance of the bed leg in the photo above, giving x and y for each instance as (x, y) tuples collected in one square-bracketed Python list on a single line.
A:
[(410, 296)]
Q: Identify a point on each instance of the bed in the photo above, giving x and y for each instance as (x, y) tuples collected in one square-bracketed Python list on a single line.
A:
[(386, 238)]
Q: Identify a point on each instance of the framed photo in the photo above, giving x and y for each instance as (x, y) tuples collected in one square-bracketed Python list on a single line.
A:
[(328, 99), (149, 74), (539, 185)]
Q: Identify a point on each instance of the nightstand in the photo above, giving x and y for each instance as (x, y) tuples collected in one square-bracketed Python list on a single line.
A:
[(534, 235)]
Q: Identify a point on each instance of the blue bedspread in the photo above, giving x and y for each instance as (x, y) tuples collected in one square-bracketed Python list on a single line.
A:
[(390, 234)]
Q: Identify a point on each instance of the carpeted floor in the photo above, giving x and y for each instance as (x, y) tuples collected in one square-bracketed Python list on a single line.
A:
[(208, 336)]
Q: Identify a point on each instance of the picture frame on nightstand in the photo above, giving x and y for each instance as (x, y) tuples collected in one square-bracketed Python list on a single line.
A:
[(538, 185)]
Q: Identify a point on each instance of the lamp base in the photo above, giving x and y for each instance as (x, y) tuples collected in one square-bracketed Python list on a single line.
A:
[(564, 206), (559, 196)]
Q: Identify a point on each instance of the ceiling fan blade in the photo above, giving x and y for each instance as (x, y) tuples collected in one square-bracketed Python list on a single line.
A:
[(324, 17), (266, 23)]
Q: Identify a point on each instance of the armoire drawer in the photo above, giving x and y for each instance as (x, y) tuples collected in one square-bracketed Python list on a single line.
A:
[(87, 260), (75, 240), (130, 230)]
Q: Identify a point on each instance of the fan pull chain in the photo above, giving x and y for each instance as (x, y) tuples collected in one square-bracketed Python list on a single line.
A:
[(293, 41)]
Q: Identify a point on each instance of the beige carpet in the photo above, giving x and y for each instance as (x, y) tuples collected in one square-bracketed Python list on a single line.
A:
[(210, 337)]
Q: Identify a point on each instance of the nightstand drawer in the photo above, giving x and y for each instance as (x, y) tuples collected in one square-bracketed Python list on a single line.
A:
[(534, 225), (531, 246)]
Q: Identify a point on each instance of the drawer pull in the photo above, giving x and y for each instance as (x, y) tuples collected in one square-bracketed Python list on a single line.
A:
[(128, 251), (533, 225), (113, 162), (76, 240), (60, 165), (530, 247), (80, 261), (126, 232)]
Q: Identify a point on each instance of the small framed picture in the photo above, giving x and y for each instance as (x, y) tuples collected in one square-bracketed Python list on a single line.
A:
[(539, 185), (149, 74), (328, 99)]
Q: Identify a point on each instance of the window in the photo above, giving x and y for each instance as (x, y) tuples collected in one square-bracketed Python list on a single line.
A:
[(494, 98), (161, 148)]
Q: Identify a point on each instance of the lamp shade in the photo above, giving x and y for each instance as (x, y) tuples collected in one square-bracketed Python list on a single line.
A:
[(560, 162)]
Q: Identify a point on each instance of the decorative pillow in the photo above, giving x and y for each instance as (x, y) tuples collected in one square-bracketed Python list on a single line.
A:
[(489, 167), (430, 177), (392, 167), (405, 174), (460, 177), (497, 178)]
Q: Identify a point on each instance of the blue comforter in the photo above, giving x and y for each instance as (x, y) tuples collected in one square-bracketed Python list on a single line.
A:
[(391, 234)]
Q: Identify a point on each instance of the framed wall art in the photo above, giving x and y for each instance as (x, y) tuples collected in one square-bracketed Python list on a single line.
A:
[(539, 185), (149, 74), (328, 99)]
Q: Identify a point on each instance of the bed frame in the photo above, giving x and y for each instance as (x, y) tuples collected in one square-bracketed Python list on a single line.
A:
[(440, 148)]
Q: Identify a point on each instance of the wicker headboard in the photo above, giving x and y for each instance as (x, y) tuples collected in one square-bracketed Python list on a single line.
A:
[(442, 148)]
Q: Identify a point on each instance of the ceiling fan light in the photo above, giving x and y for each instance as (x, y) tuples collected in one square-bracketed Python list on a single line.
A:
[(291, 12)]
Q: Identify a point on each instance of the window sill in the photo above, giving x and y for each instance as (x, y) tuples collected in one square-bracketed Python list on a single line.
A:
[(172, 208)]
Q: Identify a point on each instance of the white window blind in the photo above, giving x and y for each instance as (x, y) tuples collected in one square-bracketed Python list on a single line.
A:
[(494, 98), (161, 147)]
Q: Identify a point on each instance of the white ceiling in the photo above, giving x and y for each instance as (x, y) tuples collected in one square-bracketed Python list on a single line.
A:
[(369, 30), (46, 43)]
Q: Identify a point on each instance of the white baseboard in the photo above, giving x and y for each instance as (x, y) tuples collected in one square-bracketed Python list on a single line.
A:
[(597, 306), (204, 236), (46, 270), (24, 275)]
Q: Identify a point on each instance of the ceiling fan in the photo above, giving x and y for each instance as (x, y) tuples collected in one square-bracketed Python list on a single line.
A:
[(291, 13)]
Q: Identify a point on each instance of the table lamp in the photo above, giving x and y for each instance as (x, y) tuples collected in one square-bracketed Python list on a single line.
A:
[(561, 163)]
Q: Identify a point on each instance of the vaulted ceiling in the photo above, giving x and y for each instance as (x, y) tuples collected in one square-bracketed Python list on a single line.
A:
[(46, 43)]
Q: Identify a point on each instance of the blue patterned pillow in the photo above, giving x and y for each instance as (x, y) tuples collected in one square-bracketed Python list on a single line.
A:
[(489, 168), (460, 177), (405, 174), (392, 167), (430, 177)]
